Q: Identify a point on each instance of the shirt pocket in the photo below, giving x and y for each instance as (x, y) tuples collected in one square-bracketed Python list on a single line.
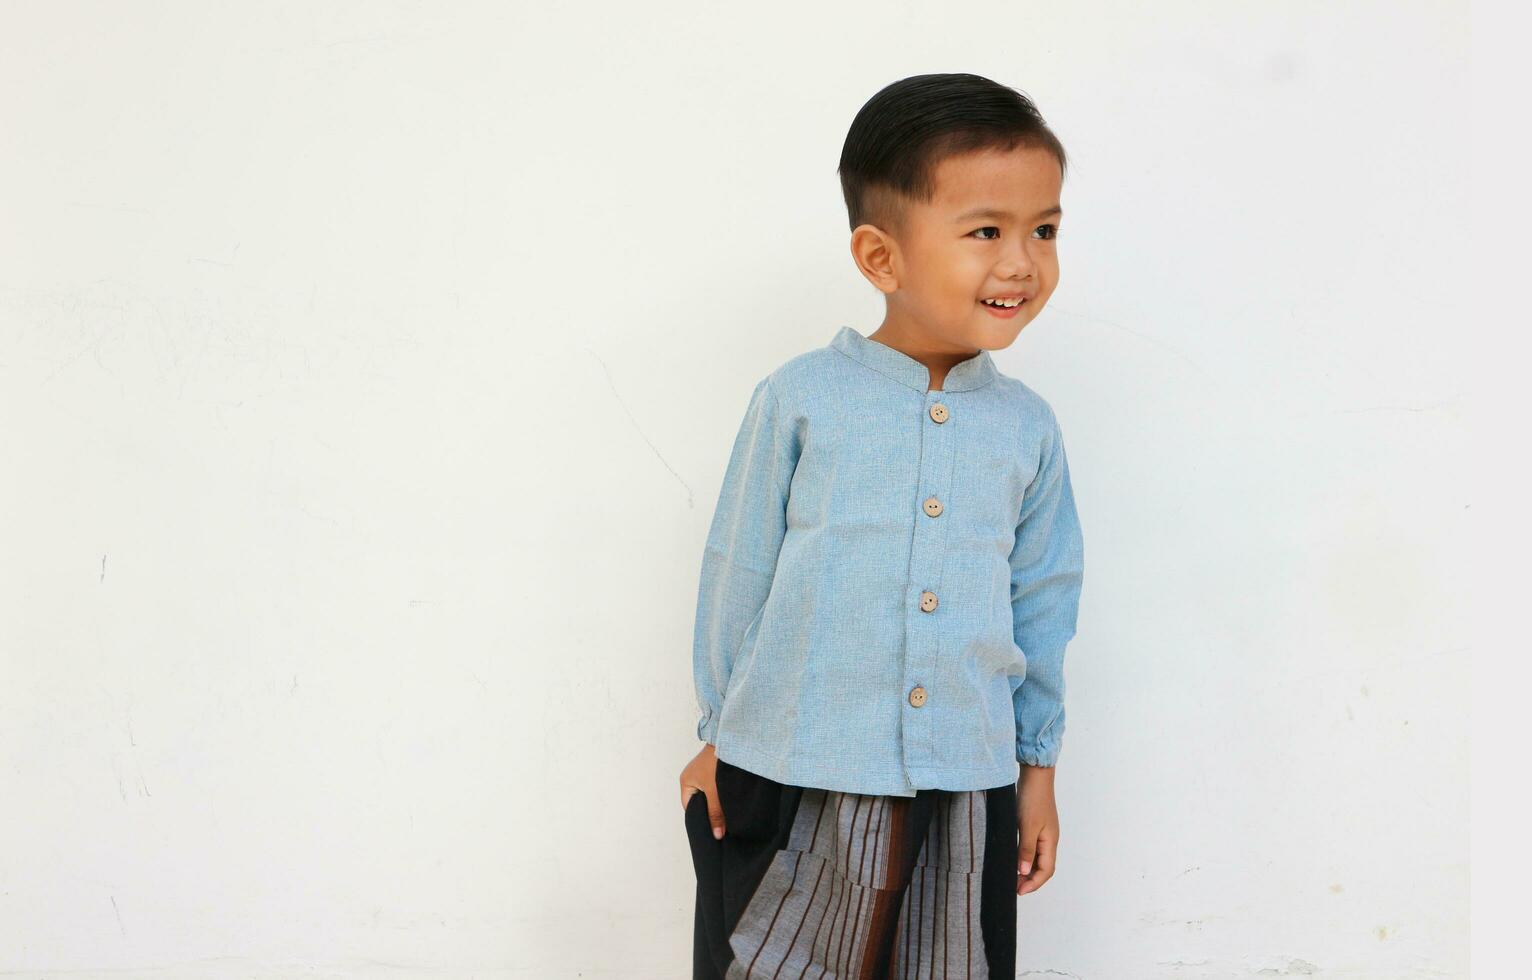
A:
[(993, 473)]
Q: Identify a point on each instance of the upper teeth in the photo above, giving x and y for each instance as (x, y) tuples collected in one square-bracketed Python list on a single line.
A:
[(1004, 302)]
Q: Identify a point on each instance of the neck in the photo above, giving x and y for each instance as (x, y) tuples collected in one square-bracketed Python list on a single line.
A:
[(919, 344)]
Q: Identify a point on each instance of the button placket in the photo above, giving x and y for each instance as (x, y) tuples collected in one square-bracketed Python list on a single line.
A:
[(938, 436)]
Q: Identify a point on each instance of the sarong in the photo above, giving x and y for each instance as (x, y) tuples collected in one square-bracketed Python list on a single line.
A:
[(813, 883)]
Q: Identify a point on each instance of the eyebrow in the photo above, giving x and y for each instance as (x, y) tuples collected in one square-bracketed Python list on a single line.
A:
[(989, 212)]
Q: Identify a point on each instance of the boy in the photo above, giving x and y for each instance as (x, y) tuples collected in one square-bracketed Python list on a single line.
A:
[(890, 579)]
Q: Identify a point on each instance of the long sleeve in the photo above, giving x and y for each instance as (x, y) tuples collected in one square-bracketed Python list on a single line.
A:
[(740, 557), (1047, 570)]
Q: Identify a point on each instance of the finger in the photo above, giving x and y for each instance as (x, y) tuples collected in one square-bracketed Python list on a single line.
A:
[(1047, 854), (1046, 851), (1027, 851), (715, 813)]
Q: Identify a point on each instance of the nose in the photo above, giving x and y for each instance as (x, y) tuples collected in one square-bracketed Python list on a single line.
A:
[(1016, 260)]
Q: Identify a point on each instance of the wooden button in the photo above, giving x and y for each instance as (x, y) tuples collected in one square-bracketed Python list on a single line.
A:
[(927, 601), (939, 413), (918, 696), (933, 507)]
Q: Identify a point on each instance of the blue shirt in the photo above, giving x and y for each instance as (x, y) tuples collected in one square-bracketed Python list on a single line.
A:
[(890, 577)]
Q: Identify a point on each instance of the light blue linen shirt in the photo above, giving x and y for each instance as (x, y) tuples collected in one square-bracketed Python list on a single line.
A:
[(890, 578)]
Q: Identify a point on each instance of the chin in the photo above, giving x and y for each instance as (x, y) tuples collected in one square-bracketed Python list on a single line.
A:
[(999, 333)]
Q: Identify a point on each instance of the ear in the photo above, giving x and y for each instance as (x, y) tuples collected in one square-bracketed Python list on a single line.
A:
[(876, 254)]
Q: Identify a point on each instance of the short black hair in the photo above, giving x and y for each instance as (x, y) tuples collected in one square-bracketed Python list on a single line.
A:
[(907, 128)]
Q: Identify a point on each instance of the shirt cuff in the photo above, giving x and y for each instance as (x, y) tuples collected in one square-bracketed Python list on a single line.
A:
[(1042, 756), (707, 727)]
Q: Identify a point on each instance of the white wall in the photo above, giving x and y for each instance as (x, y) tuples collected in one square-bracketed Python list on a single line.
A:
[(368, 373)]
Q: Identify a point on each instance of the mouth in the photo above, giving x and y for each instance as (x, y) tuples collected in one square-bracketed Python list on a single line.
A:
[(1004, 308)]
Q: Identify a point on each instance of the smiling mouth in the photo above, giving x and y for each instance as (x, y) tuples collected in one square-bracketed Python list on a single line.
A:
[(1004, 312)]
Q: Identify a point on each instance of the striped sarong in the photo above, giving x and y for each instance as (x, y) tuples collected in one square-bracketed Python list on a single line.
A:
[(813, 883)]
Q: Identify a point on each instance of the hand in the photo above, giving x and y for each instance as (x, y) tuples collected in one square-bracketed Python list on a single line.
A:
[(1037, 822), (701, 775)]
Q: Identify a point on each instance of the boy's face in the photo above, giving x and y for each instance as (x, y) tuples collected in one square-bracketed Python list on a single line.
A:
[(987, 232)]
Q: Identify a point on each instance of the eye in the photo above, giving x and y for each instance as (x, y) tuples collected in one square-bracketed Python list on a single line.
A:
[(986, 228), (1053, 231)]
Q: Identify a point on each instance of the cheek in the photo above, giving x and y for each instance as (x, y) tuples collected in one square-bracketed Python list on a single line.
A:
[(958, 283), (968, 279), (1048, 272)]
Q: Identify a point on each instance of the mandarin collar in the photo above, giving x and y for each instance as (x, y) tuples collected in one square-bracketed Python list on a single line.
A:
[(973, 373)]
